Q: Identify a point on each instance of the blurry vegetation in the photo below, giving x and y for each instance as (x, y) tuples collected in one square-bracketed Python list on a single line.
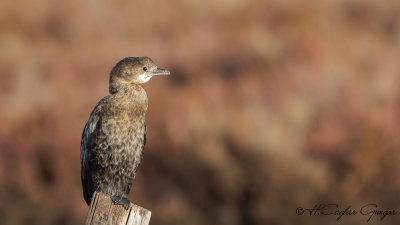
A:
[(271, 105)]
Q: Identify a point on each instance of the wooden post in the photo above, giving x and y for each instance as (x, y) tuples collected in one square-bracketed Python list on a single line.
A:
[(103, 211)]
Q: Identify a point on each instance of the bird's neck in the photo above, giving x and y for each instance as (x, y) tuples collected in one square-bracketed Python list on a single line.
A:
[(131, 94)]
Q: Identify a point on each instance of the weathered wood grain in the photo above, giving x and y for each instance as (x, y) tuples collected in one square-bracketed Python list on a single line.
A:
[(103, 211)]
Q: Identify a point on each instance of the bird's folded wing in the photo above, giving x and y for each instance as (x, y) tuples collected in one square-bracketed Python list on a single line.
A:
[(87, 135)]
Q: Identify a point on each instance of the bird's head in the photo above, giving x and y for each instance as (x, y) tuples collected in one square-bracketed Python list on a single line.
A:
[(133, 70)]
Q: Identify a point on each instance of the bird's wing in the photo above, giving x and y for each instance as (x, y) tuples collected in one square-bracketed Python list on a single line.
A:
[(87, 137)]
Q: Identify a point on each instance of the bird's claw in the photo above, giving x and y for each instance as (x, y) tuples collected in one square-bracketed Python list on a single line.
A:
[(119, 200)]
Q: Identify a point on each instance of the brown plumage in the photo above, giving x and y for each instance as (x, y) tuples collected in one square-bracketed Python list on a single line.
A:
[(115, 135)]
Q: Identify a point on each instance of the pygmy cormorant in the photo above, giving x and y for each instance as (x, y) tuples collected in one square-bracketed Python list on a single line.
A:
[(115, 134)]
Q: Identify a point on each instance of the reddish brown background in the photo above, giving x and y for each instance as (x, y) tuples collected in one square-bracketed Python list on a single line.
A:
[(271, 105)]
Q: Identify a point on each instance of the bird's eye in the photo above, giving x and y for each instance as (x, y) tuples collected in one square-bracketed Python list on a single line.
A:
[(145, 68)]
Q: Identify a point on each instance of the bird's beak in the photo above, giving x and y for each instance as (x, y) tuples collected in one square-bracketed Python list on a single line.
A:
[(159, 71)]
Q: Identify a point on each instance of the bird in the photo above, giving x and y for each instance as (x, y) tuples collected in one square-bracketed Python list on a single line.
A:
[(114, 136)]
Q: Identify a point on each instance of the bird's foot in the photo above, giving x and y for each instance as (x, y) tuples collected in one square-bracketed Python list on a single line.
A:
[(119, 200)]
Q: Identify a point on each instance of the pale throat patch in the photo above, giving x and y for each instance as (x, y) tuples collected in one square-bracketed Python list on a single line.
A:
[(143, 78)]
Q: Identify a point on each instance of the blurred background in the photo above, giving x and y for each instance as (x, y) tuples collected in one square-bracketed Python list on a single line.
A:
[(270, 106)]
